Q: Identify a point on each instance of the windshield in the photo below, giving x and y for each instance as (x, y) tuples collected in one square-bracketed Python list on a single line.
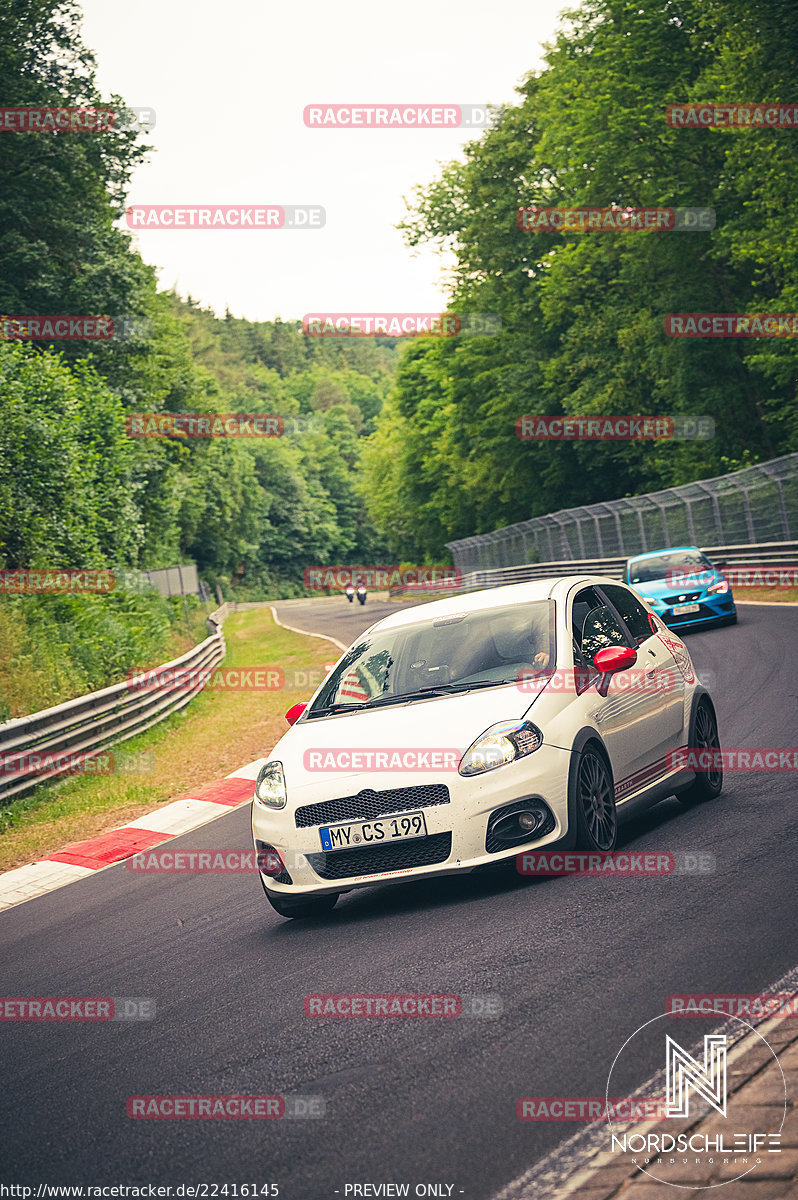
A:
[(647, 570), (448, 654)]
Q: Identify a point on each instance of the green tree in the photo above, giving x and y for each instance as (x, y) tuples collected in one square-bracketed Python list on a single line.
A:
[(583, 313)]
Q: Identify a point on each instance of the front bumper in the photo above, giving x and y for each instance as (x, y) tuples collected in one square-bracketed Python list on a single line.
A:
[(456, 831), (710, 608)]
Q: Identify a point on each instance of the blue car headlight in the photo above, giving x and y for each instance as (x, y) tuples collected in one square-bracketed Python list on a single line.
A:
[(719, 588)]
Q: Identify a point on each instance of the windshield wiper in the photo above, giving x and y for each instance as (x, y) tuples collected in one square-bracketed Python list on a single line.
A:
[(333, 708), (477, 683), (440, 689)]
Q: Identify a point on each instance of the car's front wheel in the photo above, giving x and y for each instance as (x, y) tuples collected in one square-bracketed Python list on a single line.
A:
[(302, 906), (707, 783), (596, 816)]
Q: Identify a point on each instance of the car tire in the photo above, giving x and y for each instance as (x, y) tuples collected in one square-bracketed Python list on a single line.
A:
[(594, 801), (302, 906), (707, 784)]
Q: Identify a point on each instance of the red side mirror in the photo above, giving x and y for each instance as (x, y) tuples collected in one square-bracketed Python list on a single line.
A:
[(611, 660), (295, 712)]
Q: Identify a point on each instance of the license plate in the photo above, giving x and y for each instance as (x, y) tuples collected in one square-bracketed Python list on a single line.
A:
[(356, 834), (678, 609)]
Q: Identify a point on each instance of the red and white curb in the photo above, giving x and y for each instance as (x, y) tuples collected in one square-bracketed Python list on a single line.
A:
[(74, 862), (84, 858)]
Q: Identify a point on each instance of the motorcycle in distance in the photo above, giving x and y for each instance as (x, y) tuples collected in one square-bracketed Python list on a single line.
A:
[(350, 592), (361, 593)]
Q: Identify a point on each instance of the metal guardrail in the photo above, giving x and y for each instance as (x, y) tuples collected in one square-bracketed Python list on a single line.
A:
[(56, 740), (753, 505), (218, 617), (768, 553)]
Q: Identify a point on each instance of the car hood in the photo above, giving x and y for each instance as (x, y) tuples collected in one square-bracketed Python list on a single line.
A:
[(439, 724), (657, 589)]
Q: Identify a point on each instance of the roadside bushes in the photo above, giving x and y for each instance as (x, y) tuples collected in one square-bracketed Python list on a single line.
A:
[(56, 647)]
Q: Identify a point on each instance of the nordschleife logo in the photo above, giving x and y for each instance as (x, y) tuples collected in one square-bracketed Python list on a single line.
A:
[(711, 1134), (684, 1074)]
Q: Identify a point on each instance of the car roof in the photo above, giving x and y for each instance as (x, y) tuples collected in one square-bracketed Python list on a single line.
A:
[(511, 593), (664, 550)]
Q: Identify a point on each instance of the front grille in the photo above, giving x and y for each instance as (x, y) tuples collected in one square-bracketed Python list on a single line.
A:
[(367, 804), (682, 598), (420, 852)]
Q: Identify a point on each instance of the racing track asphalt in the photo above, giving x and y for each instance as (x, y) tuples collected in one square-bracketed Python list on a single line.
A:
[(580, 963)]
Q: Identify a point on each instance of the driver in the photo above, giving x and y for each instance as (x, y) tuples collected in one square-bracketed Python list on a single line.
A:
[(512, 642), (516, 642)]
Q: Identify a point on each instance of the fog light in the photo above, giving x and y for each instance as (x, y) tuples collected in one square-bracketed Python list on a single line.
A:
[(528, 821), (269, 861)]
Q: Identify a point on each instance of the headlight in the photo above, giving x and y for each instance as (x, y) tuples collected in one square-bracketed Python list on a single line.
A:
[(499, 745), (718, 588), (270, 786)]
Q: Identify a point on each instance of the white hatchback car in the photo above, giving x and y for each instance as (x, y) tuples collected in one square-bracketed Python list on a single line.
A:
[(458, 733)]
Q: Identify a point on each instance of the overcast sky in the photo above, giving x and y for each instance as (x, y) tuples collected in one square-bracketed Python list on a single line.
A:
[(229, 82)]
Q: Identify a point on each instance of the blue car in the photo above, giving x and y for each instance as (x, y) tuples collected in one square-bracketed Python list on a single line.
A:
[(683, 587)]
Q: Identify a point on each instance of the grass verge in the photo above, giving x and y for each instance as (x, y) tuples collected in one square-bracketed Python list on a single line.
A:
[(218, 732), (762, 595)]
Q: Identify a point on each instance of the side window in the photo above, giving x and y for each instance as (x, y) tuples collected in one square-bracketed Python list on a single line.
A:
[(594, 626), (632, 611)]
